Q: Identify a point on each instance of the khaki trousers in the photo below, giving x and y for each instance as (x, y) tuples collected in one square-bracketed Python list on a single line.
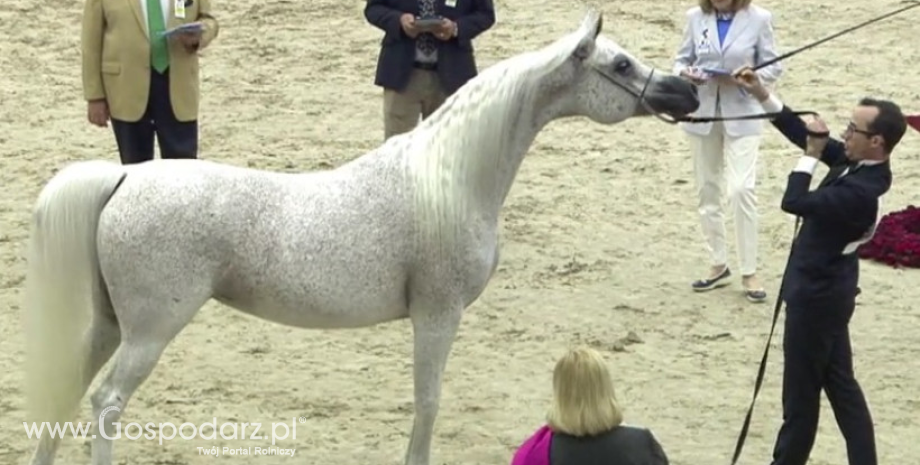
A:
[(401, 110), (719, 159)]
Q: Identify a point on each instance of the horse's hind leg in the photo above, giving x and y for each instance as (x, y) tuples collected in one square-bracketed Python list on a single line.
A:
[(99, 343), (102, 339), (148, 325)]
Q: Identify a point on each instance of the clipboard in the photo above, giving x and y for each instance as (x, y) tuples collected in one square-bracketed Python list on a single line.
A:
[(716, 71), (187, 27), (428, 23)]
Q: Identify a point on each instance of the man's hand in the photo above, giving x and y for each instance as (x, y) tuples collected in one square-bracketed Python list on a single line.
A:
[(814, 144), (407, 21), (189, 40), (97, 112), (748, 79), (447, 30)]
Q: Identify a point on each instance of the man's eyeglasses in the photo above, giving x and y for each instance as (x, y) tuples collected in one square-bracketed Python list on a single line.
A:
[(851, 129)]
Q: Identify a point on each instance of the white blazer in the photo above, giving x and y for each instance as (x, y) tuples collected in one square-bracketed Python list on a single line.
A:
[(749, 41)]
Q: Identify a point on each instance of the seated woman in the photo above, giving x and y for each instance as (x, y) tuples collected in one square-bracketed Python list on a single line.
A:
[(584, 426)]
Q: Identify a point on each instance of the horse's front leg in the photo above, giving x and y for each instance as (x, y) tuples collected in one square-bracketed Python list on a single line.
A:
[(434, 326)]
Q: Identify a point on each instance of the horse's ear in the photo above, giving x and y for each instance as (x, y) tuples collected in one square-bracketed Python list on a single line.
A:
[(593, 22), (592, 28), (584, 49)]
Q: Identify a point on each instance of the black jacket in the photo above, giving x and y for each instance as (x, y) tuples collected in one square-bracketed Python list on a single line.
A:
[(623, 445), (456, 62), (839, 212)]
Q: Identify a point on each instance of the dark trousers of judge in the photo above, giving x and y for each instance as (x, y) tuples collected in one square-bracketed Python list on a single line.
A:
[(818, 356), (176, 139)]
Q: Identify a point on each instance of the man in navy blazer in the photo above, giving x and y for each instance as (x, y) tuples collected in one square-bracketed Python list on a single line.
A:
[(820, 283), (418, 67)]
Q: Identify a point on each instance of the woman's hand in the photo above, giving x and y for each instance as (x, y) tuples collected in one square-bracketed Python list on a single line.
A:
[(693, 75)]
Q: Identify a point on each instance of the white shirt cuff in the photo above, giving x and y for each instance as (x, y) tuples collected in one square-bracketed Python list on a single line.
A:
[(772, 104), (806, 165)]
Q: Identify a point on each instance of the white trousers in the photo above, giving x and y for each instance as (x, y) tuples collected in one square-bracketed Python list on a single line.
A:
[(721, 162)]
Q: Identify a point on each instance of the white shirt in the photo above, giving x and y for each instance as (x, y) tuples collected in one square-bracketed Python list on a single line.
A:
[(164, 5)]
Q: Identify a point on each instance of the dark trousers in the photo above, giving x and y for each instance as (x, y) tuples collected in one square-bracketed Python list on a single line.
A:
[(817, 355), (176, 139)]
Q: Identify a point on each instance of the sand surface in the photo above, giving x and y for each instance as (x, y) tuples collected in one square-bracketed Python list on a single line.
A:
[(591, 252)]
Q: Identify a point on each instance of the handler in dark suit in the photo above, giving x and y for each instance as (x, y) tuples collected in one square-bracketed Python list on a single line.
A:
[(420, 69), (820, 282)]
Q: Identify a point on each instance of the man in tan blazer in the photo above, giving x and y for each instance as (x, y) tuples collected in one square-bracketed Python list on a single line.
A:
[(145, 83)]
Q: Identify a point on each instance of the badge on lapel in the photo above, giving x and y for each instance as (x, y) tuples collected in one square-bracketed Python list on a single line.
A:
[(705, 45), (179, 9), (450, 3)]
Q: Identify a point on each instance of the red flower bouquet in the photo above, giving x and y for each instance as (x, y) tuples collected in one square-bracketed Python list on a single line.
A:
[(913, 121), (897, 240)]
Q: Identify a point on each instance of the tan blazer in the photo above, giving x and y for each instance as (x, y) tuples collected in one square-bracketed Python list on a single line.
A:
[(116, 57)]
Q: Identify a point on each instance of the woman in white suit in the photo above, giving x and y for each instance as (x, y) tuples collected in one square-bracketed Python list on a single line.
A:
[(721, 36)]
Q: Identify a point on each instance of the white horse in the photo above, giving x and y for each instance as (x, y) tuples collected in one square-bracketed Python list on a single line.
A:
[(410, 230)]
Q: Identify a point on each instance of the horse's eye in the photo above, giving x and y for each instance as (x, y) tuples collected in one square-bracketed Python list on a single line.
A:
[(622, 66)]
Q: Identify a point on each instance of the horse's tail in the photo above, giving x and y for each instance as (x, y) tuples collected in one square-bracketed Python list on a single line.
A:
[(62, 284)]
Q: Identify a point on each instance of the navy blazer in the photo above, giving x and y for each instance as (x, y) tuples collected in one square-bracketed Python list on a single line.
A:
[(456, 61), (840, 211)]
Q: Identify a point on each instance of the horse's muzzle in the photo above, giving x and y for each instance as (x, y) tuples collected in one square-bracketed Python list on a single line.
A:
[(673, 96)]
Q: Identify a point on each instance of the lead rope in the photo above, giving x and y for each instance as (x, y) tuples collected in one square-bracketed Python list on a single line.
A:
[(742, 436), (640, 101)]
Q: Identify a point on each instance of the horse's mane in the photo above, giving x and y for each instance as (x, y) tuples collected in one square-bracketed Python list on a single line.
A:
[(453, 155)]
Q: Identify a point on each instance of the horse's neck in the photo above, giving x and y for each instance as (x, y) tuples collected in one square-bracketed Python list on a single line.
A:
[(495, 144), (465, 158), (508, 156)]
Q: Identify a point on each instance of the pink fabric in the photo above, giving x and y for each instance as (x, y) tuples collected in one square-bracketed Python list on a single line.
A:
[(535, 450)]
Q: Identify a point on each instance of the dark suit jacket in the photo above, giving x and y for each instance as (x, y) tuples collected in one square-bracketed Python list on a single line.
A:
[(456, 61), (623, 445), (838, 212)]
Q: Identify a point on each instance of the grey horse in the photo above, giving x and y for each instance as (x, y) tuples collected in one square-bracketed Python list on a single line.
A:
[(123, 257)]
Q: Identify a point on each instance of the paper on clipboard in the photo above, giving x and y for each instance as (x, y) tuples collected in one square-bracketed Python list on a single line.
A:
[(717, 72), (187, 27)]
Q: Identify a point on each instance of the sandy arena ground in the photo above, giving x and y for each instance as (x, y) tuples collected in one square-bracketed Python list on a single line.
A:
[(590, 254)]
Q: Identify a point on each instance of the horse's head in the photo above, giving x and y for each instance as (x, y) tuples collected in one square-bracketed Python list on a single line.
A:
[(599, 79)]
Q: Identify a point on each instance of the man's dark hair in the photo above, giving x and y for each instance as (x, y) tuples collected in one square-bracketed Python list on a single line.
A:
[(889, 123)]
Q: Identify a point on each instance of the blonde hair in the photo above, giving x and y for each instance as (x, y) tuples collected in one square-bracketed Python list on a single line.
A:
[(584, 402), (737, 5)]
